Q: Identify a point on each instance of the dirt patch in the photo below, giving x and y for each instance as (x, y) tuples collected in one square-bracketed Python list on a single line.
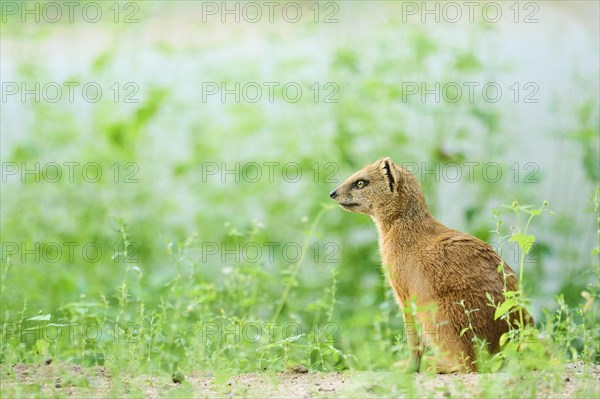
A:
[(576, 381), (52, 378), (58, 379)]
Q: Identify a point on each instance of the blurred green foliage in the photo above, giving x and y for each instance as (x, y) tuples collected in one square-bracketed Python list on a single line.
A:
[(154, 211)]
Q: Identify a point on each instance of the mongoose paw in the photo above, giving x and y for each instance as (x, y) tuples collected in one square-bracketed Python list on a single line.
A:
[(445, 368), (409, 366)]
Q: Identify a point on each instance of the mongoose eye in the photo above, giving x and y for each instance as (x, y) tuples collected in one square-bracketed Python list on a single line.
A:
[(360, 184)]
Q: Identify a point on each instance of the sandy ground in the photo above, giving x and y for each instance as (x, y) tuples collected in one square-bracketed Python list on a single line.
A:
[(69, 380)]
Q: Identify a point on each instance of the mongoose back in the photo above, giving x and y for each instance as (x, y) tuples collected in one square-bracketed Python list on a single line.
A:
[(437, 274)]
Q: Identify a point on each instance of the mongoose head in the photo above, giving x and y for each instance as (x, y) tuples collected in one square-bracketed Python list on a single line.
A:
[(382, 190)]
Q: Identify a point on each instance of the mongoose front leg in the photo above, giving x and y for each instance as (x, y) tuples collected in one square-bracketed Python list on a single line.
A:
[(415, 351)]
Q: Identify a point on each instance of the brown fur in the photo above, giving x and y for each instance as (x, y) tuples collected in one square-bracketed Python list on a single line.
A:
[(430, 266)]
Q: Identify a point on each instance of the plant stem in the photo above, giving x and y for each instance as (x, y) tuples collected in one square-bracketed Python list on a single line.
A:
[(296, 267)]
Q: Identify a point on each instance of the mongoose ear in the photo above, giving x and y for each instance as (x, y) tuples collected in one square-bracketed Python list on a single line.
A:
[(390, 172)]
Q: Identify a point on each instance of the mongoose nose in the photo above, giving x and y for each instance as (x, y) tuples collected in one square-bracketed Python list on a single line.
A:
[(333, 194)]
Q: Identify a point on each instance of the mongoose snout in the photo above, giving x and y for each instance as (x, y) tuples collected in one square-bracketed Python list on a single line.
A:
[(449, 275)]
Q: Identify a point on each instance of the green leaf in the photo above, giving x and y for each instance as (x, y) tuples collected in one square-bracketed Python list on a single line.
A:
[(44, 317), (463, 331), (525, 241), (504, 308), (503, 339), (496, 365), (291, 339)]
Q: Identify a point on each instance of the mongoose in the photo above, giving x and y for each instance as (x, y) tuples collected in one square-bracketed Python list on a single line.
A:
[(437, 274)]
